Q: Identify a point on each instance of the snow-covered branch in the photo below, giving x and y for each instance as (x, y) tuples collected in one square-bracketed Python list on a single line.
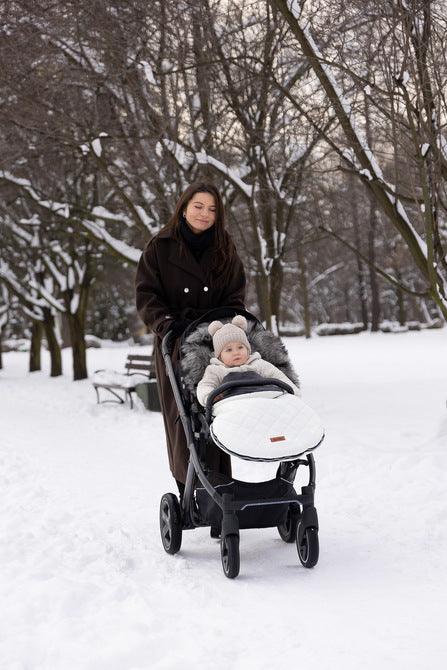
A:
[(123, 250), (96, 228), (26, 298), (324, 275), (231, 173)]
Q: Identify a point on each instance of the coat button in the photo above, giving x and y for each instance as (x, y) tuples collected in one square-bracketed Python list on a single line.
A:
[(186, 290), (205, 288)]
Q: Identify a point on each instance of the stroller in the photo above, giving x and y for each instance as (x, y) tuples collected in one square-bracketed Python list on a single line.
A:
[(223, 503)]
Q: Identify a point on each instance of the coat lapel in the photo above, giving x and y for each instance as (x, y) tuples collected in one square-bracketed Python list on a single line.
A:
[(186, 261)]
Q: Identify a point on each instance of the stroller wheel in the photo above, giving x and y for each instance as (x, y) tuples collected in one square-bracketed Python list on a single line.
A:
[(308, 547), (170, 523), (229, 551), (287, 530)]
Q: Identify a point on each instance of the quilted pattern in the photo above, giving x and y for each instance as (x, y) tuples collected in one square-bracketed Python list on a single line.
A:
[(263, 428)]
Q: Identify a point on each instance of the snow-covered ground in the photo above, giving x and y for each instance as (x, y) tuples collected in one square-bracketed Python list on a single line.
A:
[(86, 585)]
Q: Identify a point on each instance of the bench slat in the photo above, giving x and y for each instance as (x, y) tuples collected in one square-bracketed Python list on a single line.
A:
[(140, 366), (139, 357)]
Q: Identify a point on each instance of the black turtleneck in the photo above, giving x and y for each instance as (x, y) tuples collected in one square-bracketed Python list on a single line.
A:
[(196, 243)]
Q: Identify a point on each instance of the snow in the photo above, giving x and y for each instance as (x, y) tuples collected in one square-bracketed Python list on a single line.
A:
[(96, 146), (182, 155), (417, 237), (324, 275), (145, 219), (114, 377), (47, 296), (366, 173), (167, 66), (424, 149), (103, 213), (442, 144), (86, 585), (294, 7), (10, 279), (124, 250), (266, 261), (233, 174), (296, 154), (60, 208), (148, 72)]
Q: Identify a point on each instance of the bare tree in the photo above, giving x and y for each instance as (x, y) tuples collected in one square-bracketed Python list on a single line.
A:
[(408, 20)]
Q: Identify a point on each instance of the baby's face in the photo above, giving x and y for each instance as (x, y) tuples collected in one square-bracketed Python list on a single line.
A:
[(234, 353)]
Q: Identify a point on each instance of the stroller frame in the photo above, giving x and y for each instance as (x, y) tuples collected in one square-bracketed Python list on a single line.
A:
[(301, 524)]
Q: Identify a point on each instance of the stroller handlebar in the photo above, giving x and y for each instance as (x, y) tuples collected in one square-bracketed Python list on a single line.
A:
[(166, 341)]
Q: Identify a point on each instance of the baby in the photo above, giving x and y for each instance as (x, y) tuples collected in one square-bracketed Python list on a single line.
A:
[(232, 353)]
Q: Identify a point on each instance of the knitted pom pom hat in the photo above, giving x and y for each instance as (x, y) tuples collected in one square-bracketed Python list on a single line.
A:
[(230, 332)]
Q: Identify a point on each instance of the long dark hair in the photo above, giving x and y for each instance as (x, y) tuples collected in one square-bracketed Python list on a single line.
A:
[(224, 248)]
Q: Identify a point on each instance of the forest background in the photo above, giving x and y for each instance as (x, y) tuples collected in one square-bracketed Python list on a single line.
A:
[(321, 122)]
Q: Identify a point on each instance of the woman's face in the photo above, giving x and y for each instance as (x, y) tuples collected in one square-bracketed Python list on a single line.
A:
[(200, 212)]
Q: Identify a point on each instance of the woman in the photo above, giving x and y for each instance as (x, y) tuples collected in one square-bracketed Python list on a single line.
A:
[(188, 268)]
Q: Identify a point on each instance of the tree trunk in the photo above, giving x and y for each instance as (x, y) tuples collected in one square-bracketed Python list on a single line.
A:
[(263, 283), (401, 306), (348, 312), (362, 293), (425, 316), (62, 327), (77, 338), (53, 344), (304, 290), (36, 345), (375, 297), (361, 283), (76, 324), (276, 282)]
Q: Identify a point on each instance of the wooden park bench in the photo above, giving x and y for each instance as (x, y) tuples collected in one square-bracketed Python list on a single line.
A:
[(139, 378)]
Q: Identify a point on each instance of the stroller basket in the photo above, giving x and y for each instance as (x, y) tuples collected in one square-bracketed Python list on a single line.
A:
[(252, 516)]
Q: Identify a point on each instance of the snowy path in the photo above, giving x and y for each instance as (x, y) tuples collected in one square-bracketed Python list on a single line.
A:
[(85, 584)]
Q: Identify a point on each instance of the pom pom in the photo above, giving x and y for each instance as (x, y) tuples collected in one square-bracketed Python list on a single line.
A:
[(214, 327), (240, 321)]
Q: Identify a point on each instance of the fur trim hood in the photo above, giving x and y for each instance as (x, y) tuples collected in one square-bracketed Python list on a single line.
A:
[(197, 350)]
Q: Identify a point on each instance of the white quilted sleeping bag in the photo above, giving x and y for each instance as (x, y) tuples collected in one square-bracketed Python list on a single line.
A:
[(265, 426)]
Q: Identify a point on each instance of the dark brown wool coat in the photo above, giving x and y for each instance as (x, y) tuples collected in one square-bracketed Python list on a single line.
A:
[(170, 284)]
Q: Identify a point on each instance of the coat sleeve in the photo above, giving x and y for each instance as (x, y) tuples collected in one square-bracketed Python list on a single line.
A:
[(266, 369), (149, 295), (234, 294), (208, 383)]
